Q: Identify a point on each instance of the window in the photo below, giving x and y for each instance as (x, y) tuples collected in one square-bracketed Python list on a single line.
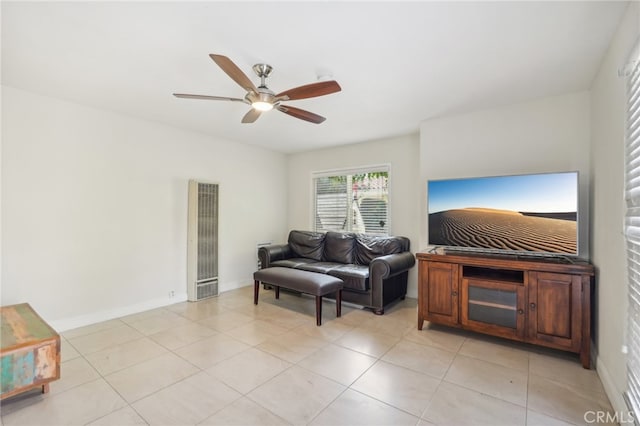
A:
[(353, 200), (632, 229)]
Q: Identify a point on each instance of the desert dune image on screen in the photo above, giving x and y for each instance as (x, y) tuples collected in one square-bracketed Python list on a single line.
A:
[(528, 213)]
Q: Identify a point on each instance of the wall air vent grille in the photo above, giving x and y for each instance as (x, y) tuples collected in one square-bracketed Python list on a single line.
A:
[(207, 289), (202, 256)]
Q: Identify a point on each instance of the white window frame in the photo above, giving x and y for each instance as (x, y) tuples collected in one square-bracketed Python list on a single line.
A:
[(632, 226), (351, 171)]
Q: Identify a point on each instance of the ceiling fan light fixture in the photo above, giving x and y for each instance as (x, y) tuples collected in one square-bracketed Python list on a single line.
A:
[(262, 106)]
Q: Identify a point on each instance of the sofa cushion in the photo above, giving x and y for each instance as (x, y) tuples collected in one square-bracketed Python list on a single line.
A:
[(355, 277), (294, 262), (321, 267), (368, 247), (339, 247), (307, 244)]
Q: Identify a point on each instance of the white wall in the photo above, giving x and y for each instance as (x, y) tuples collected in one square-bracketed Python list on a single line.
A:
[(401, 153), (608, 102), (546, 135), (94, 208)]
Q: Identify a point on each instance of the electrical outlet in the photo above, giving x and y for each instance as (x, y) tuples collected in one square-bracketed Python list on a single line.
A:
[(172, 294)]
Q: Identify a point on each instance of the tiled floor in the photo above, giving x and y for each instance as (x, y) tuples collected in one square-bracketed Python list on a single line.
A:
[(224, 361)]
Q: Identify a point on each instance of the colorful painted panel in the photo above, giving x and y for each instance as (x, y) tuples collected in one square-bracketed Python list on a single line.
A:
[(29, 349)]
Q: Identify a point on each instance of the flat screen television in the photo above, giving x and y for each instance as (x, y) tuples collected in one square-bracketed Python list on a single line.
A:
[(535, 214)]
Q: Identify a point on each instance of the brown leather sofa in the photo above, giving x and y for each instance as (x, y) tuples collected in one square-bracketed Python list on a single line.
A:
[(374, 268)]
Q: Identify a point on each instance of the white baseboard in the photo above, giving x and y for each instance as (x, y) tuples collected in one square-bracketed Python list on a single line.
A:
[(88, 319), (613, 393)]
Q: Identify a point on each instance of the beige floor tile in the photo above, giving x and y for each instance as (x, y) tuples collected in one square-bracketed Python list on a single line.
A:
[(562, 401), (248, 370), (422, 358), (368, 342), (125, 355), (238, 303), (447, 339), (123, 417), (329, 331), (405, 310), (354, 408), (292, 346), (187, 402), (356, 317), (141, 380), (350, 307), (210, 351), (294, 311), (564, 368), (93, 328), (497, 351), (225, 321), (311, 393), (183, 335), (337, 363), (489, 378), (402, 388), (260, 311), (237, 298), (97, 399), (456, 405), (392, 368), (73, 373), (244, 412), (163, 321), (104, 339), (67, 351), (294, 303), (256, 332), (538, 419), (293, 320), (196, 311), (128, 319), (386, 325)]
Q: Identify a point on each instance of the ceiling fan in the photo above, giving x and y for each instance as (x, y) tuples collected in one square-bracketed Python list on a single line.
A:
[(263, 99)]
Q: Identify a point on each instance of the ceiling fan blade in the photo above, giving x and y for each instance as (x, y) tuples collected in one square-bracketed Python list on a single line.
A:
[(251, 116), (206, 97), (310, 90), (234, 72), (301, 114)]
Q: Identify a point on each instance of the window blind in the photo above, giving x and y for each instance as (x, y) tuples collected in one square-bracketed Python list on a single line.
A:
[(632, 229), (354, 200)]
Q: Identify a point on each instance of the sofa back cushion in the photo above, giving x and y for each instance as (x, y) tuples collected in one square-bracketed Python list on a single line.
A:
[(307, 244), (340, 247), (368, 247)]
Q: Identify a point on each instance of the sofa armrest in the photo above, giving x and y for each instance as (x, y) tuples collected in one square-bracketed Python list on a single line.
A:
[(268, 254), (388, 277), (392, 264)]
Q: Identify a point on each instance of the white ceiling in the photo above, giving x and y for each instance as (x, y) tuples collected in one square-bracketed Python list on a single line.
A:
[(398, 63)]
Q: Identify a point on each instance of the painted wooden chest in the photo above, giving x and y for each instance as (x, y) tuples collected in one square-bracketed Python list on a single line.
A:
[(29, 350)]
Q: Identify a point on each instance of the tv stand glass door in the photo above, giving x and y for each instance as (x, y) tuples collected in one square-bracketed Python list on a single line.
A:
[(493, 306)]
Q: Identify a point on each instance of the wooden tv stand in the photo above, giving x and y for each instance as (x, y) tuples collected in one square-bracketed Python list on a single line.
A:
[(542, 301)]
